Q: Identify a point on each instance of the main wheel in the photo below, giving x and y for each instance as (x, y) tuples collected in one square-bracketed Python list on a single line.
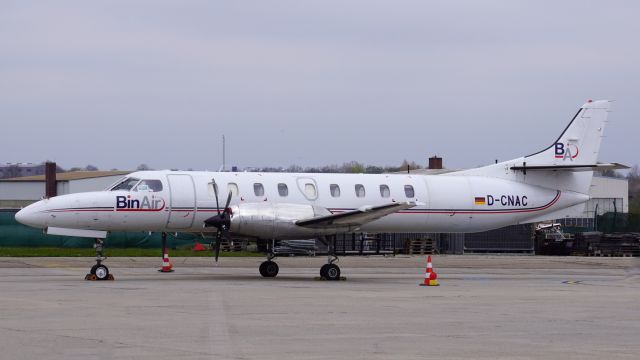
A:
[(332, 272), (323, 271), (101, 272), (93, 270), (269, 269)]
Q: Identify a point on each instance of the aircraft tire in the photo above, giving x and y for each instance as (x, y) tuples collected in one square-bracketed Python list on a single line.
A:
[(102, 272), (269, 269), (332, 272), (323, 271), (93, 269)]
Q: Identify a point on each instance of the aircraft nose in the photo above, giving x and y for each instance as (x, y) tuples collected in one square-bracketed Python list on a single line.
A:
[(28, 216), (21, 216)]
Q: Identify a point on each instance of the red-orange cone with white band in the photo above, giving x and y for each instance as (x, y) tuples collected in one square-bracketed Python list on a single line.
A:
[(430, 276), (167, 266)]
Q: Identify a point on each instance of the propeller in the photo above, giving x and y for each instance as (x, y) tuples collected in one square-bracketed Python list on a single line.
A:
[(221, 221)]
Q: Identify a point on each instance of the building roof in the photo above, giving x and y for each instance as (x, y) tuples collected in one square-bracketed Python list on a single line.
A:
[(21, 165), (72, 175)]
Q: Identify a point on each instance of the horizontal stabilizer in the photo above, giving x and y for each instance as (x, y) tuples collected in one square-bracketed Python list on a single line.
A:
[(356, 217), (592, 167)]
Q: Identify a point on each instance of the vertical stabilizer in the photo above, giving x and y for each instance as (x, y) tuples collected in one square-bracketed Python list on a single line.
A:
[(579, 143), (577, 146)]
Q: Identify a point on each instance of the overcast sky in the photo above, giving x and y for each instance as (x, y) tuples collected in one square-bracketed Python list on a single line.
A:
[(120, 83)]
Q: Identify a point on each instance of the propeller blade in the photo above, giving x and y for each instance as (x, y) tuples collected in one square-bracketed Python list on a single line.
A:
[(221, 221), (218, 242), (215, 191), (228, 200)]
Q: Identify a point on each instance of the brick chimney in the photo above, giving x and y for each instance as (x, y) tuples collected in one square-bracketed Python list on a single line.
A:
[(435, 162), (50, 183)]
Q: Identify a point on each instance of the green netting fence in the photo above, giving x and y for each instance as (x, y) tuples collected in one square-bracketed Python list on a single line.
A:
[(618, 222), (13, 233)]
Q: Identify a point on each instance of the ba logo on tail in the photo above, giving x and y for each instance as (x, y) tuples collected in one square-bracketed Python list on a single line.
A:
[(566, 151)]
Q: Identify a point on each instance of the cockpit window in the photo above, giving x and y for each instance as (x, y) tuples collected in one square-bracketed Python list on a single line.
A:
[(126, 184), (149, 185)]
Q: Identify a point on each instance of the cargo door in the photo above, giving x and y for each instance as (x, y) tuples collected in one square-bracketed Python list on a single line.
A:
[(182, 200)]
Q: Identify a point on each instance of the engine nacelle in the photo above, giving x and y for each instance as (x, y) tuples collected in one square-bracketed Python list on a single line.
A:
[(276, 221)]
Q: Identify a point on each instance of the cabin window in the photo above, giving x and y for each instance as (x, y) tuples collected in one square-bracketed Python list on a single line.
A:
[(126, 184), (149, 186), (258, 189), (283, 190), (384, 191), (233, 188), (335, 190), (408, 190), (310, 191), (360, 190)]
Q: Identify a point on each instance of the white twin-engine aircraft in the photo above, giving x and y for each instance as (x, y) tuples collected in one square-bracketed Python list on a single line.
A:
[(543, 186)]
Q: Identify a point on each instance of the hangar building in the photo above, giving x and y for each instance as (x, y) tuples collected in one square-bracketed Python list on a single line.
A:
[(22, 191)]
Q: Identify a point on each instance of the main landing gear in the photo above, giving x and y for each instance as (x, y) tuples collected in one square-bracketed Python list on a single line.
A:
[(99, 271), (330, 271), (269, 268)]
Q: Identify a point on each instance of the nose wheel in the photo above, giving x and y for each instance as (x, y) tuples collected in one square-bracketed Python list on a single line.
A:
[(99, 271)]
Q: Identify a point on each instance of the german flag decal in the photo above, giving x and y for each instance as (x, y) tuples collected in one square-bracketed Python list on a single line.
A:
[(479, 200)]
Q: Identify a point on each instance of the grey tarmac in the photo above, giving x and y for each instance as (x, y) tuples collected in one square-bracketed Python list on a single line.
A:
[(487, 307)]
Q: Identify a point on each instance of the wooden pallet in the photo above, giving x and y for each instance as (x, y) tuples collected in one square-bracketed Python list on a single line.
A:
[(233, 246), (420, 247)]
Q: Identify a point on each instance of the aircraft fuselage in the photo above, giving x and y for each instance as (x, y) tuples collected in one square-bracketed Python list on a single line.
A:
[(182, 201)]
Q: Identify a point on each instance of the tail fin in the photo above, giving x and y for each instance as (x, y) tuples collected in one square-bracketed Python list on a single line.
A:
[(568, 163), (579, 143)]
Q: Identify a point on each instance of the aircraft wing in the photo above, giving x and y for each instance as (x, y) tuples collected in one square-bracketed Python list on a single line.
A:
[(356, 217)]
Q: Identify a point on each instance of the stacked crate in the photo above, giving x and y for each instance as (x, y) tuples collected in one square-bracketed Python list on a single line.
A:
[(422, 246)]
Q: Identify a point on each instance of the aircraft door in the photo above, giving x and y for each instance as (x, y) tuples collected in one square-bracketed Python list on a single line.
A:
[(308, 187), (183, 201)]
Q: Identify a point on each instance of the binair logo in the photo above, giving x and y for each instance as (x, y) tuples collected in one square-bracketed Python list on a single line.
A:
[(126, 203), (566, 151)]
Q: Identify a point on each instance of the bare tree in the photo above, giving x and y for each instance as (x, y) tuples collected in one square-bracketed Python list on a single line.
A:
[(294, 169), (143, 167)]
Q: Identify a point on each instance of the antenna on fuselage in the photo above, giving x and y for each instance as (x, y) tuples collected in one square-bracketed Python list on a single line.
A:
[(224, 154)]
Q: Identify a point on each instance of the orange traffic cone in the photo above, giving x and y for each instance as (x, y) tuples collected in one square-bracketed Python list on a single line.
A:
[(167, 266), (430, 276), (198, 247)]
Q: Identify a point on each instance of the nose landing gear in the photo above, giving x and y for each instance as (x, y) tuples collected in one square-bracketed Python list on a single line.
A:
[(99, 271)]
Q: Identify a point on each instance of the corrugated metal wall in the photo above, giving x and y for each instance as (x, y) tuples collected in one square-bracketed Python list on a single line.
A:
[(516, 238)]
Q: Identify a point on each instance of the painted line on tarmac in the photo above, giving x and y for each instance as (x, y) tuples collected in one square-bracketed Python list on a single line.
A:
[(573, 282)]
